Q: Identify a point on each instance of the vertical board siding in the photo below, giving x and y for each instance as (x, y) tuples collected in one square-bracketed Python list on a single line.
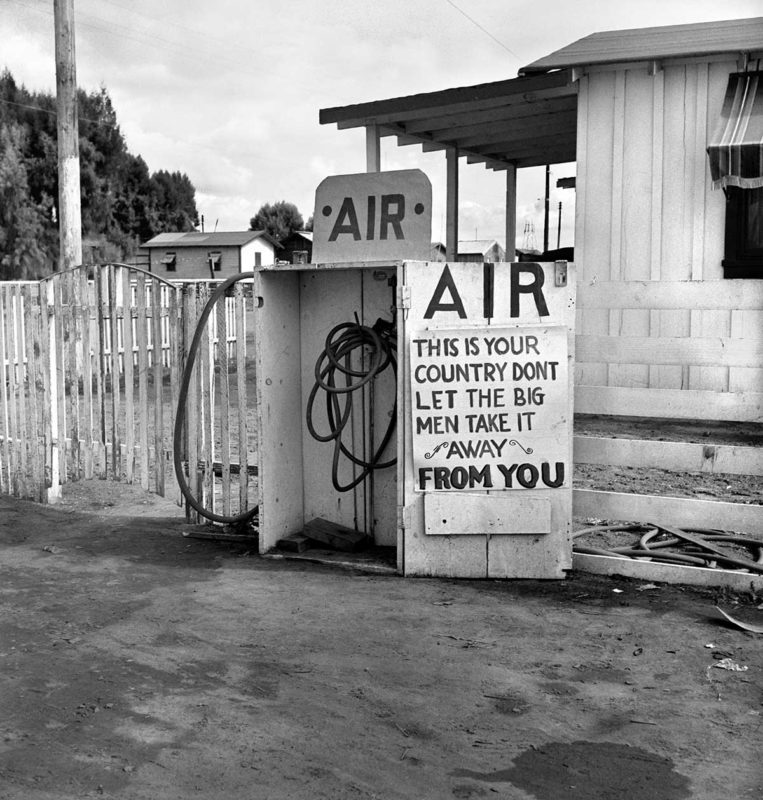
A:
[(651, 215), (90, 370)]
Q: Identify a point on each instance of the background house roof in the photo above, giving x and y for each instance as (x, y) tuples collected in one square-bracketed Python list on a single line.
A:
[(528, 121), (216, 239), (648, 44), (476, 245)]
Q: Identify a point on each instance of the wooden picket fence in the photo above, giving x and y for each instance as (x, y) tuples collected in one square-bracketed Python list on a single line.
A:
[(87, 395)]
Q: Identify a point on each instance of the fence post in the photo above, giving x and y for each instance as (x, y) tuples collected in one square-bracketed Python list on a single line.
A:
[(55, 489)]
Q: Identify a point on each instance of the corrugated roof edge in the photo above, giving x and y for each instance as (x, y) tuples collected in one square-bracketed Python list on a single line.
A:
[(647, 44)]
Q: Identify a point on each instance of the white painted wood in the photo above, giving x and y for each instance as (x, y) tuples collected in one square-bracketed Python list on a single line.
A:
[(667, 573), (581, 181), (595, 174), (677, 456), (658, 131), (638, 180), (676, 295), (680, 511), (700, 173), (279, 406), (474, 555), (626, 349), (675, 260), (671, 403), (618, 177), (446, 513)]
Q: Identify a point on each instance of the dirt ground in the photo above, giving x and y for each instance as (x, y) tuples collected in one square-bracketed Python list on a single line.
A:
[(136, 663)]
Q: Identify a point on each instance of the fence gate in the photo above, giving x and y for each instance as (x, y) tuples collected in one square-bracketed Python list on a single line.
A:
[(91, 362)]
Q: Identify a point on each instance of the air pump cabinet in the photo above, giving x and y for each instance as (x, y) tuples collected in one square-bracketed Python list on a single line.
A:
[(482, 485)]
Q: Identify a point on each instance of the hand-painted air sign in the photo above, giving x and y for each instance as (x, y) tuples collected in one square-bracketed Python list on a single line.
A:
[(490, 408), (373, 216)]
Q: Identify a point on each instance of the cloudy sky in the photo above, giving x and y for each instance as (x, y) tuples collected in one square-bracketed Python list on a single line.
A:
[(229, 91)]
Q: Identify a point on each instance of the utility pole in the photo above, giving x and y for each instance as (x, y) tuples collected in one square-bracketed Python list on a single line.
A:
[(559, 228), (69, 210)]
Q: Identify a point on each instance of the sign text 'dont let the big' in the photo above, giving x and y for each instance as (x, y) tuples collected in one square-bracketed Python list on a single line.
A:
[(489, 408)]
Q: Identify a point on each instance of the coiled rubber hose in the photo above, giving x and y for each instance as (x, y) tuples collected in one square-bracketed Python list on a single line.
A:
[(180, 413), (335, 376), (689, 546)]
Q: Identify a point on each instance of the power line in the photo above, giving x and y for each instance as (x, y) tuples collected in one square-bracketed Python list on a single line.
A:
[(484, 30), (51, 111), (123, 33)]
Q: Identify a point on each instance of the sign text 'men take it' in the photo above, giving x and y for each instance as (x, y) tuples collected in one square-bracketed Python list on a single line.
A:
[(373, 216)]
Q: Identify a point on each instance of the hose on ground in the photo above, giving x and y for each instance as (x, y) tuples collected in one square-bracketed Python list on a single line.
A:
[(336, 377), (180, 413), (696, 547)]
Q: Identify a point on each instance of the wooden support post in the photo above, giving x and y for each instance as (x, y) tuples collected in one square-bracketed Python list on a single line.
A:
[(511, 213), (545, 209), (451, 211), (373, 149), (69, 211)]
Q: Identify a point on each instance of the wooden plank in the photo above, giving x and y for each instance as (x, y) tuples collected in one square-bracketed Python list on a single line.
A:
[(127, 339), (175, 328), (21, 427), (158, 373), (58, 391), (581, 190), (143, 405), (658, 132), (446, 514), (676, 456), (696, 351), (672, 295), (278, 407), (224, 373), (190, 318), (99, 348), (83, 292), (116, 443), (5, 466), (11, 350), (241, 396), (73, 336), (667, 573), (699, 159), (618, 177), (675, 403), (25, 387), (207, 426), (680, 511), (32, 335), (47, 370), (637, 177), (336, 537)]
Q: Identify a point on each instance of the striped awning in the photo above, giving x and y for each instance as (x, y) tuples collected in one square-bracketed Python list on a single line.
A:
[(736, 147)]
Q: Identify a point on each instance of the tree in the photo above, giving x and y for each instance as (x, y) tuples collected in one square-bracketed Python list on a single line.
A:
[(26, 249), (279, 219)]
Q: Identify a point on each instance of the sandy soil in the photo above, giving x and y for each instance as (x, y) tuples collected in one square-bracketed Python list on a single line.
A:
[(136, 663)]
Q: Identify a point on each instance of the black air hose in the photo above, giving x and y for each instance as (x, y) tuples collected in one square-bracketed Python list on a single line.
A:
[(335, 375), (185, 490)]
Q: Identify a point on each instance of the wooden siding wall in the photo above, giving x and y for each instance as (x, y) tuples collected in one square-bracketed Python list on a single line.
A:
[(661, 333)]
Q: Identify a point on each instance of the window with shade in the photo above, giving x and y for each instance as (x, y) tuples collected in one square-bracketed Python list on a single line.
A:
[(736, 166)]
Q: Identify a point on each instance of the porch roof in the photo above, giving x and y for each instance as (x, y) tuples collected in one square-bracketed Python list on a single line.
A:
[(524, 122)]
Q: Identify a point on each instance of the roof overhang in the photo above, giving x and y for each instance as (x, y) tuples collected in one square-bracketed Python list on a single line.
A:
[(524, 122)]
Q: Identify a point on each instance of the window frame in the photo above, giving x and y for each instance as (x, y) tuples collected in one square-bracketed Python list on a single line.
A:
[(740, 261)]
